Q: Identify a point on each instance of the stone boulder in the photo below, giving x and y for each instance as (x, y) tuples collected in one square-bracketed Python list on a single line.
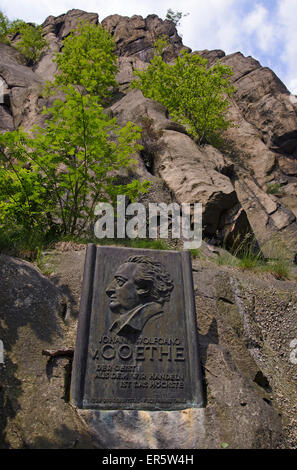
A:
[(192, 175), (61, 25)]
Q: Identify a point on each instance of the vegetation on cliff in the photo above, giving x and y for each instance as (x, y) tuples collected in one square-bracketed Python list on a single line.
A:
[(29, 37), (52, 178)]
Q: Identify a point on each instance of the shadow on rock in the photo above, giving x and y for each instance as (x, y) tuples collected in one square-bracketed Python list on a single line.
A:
[(31, 308)]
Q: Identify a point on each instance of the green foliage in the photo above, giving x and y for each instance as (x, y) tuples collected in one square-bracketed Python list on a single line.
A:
[(31, 42), (196, 253), (175, 17), (246, 255), (4, 27), (52, 178), (88, 60), (279, 267), (195, 96), (160, 44), (69, 166), (277, 250), (247, 252), (147, 244), (224, 445), (274, 188)]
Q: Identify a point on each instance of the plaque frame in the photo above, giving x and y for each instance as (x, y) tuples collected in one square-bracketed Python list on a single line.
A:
[(79, 369)]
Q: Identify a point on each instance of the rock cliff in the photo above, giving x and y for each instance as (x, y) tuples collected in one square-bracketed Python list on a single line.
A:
[(260, 151), (245, 323)]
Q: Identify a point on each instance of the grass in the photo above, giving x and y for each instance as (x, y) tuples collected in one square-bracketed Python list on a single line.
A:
[(274, 188), (280, 268), (244, 252), (42, 262)]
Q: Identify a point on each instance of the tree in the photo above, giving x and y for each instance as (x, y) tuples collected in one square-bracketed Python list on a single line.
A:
[(195, 96), (31, 42), (53, 178)]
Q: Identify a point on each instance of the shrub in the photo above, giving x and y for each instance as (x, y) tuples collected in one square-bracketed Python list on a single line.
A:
[(52, 178), (195, 96), (30, 43)]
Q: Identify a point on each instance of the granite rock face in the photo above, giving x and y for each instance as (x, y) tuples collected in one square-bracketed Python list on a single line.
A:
[(135, 36), (33, 409)]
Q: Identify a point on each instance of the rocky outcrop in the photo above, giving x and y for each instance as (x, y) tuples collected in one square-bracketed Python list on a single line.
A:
[(200, 176), (260, 148), (264, 102), (22, 88), (24, 84), (62, 25), (56, 29), (263, 99), (33, 405), (246, 326), (135, 36)]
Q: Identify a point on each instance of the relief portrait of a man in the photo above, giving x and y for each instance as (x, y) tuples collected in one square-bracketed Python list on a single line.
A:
[(137, 293)]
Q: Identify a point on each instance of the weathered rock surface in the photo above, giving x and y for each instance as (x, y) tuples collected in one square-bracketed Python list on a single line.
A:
[(192, 174), (62, 25), (135, 36), (56, 29), (246, 325), (33, 408), (263, 99)]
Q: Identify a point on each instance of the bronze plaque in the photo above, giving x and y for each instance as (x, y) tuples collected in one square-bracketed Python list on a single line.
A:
[(136, 344)]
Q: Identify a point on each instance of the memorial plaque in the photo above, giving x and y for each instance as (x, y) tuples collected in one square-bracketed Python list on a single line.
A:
[(136, 344)]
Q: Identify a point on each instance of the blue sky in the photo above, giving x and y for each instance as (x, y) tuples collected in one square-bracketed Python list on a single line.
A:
[(264, 29)]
